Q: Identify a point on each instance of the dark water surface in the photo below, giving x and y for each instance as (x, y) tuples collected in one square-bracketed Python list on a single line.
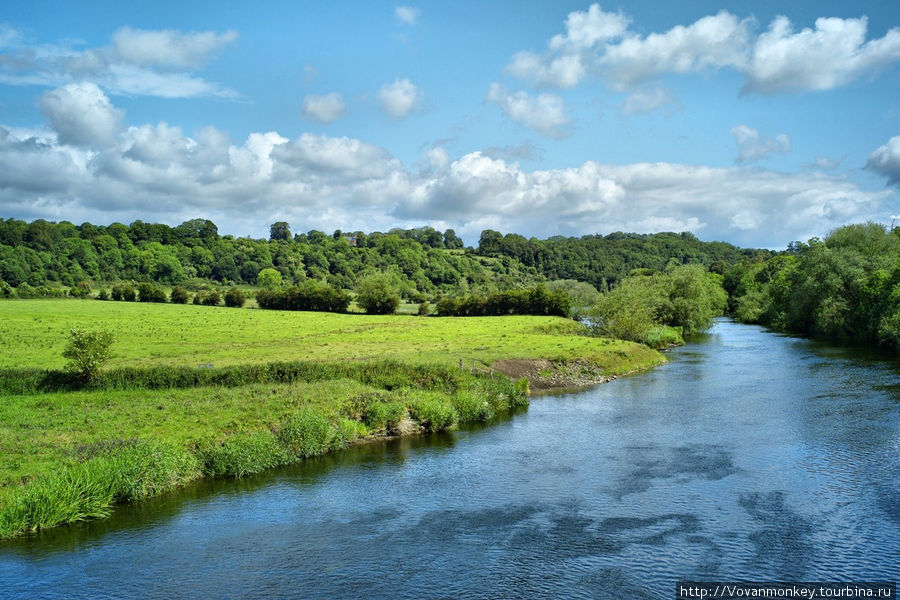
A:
[(751, 456)]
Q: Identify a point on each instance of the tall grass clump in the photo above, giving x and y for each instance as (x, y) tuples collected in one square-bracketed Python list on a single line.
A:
[(90, 489), (378, 411), (433, 414), (244, 454), (472, 407), (307, 433)]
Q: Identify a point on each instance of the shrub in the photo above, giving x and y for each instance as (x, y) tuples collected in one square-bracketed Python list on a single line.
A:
[(424, 309), (234, 298), (103, 294), (81, 290), (179, 295), (87, 351), (124, 291), (211, 298), (149, 292)]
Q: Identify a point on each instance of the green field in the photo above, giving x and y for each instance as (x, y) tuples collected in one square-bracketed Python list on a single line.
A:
[(33, 333), (71, 455)]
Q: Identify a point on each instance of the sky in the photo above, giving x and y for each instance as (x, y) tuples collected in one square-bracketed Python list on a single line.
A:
[(753, 123)]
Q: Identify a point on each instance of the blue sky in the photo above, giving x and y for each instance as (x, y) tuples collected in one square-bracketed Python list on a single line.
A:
[(754, 123)]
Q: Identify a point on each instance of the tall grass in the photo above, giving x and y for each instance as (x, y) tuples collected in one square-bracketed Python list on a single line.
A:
[(386, 374), (115, 471)]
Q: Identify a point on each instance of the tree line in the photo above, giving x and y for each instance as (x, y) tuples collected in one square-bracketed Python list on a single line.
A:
[(845, 287)]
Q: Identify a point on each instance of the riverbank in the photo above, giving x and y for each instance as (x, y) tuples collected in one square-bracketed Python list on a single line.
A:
[(70, 454)]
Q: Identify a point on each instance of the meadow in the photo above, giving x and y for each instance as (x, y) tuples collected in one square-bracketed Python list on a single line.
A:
[(199, 391), (33, 333)]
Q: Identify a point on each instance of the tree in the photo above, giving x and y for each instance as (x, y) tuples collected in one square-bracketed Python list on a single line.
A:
[(378, 294), (280, 231), (179, 295), (234, 298), (269, 278), (87, 351)]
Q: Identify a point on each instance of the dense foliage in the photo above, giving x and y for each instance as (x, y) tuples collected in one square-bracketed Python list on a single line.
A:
[(535, 301), (846, 286), (310, 295), (378, 294), (193, 254), (686, 297), (604, 260)]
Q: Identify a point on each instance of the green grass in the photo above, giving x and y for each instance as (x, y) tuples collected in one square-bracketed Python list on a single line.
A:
[(34, 333), (154, 420)]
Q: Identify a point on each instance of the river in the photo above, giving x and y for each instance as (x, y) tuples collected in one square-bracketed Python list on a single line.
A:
[(750, 456)]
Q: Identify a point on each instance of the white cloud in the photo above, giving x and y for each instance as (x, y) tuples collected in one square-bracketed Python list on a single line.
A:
[(590, 28), (564, 71), (408, 15), (752, 147), (886, 160), (158, 173), (833, 54), (546, 113), (779, 60), (400, 98), (168, 48), (82, 115), (140, 62), (646, 100), (325, 108)]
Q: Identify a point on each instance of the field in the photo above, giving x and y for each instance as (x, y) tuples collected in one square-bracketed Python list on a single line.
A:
[(290, 385), (34, 332)]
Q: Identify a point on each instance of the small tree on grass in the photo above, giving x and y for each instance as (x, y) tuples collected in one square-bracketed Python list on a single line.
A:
[(234, 298), (87, 351), (378, 294)]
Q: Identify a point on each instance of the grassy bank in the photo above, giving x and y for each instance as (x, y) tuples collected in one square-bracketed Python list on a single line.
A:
[(154, 420), (70, 456)]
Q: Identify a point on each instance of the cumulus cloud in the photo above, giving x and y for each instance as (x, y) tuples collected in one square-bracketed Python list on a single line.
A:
[(752, 147), (779, 60), (325, 108), (831, 55), (545, 113), (160, 173), (141, 62), (886, 160), (82, 115), (400, 98), (408, 15)]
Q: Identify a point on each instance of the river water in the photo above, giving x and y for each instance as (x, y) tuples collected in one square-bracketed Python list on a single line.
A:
[(750, 456)]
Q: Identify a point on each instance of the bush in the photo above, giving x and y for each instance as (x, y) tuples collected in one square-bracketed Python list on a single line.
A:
[(234, 298), (81, 290), (378, 294), (377, 410), (124, 291), (424, 309), (103, 294), (179, 295), (87, 351), (311, 295), (149, 292), (210, 298)]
